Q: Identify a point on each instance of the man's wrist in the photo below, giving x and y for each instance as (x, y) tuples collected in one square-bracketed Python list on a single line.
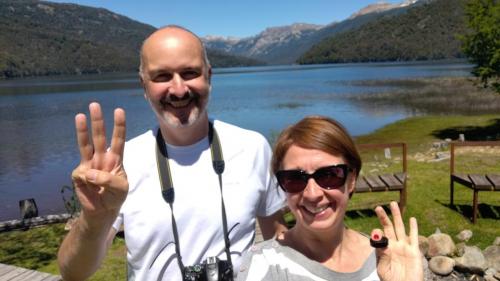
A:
[(94, 226)]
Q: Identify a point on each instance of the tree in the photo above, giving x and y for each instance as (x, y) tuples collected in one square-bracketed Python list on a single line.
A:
[(482, 43)]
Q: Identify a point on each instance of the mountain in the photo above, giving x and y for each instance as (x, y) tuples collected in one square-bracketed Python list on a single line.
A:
[(267, 46), (44, 38), (381, 6), (285, 44), (424, 32), (222, 59)]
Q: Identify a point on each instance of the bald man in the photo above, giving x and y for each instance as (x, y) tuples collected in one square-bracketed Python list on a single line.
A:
[(213, 213)]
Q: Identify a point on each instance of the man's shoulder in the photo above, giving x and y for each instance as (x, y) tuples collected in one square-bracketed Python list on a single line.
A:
[(237, 133)]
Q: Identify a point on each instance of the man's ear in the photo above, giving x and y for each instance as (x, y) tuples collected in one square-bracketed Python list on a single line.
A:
[(210, 75), (141, 79)]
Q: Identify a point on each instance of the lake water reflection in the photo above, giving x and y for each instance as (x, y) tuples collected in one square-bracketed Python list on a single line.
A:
[(37, 140)]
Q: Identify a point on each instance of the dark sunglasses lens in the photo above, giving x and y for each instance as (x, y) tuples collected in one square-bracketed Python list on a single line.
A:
[(291, 181), (330, 177)]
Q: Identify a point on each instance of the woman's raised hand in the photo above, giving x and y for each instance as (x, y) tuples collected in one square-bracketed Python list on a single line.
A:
[(401, 259), (100, 180)]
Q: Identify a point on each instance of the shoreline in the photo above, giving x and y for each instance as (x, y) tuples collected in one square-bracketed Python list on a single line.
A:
[(429, 95)]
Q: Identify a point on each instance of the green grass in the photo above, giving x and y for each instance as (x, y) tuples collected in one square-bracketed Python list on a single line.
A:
[(428, 196), (428, 183), (37, 249)]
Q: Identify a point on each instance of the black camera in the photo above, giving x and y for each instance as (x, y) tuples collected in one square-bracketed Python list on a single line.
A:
[(212, 269)]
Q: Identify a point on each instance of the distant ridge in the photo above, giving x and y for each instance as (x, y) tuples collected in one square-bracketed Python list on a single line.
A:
[(286, 44), (45, 38), (381, 6), (427, 31)]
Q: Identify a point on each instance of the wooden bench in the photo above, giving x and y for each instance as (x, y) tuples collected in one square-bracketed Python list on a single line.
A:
[(385, 181), (475, 181)]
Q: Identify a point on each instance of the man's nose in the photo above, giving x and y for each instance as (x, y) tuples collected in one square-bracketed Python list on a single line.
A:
[(178, 86)]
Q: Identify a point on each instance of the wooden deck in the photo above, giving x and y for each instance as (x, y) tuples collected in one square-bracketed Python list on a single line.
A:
[(14, 273)]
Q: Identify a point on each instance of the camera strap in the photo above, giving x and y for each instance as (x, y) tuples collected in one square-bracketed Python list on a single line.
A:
[(167, 188)]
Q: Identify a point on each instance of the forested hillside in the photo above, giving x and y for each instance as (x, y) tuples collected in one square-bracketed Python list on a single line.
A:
[(44, 38), (424, 32)]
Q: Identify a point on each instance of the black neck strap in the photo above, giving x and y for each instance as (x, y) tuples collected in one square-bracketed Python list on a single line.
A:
[(167, 188)]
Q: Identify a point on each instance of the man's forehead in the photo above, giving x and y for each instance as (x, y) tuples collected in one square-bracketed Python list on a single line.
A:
[(173, 37), (172, 49)]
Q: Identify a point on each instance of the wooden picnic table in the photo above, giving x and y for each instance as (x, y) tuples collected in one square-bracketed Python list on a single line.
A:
[(14, 273), (387, 181), (477, 182)]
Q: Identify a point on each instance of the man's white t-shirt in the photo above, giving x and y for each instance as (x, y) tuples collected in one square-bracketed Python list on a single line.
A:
[(248, 187)]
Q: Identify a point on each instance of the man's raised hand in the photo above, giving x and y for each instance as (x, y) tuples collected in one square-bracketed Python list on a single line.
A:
[(100, 180)]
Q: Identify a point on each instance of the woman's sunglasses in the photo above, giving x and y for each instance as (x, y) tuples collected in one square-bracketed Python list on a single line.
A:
[(331, 177)]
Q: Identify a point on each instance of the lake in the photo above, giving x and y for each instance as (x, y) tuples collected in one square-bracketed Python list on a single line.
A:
[(37, 140)]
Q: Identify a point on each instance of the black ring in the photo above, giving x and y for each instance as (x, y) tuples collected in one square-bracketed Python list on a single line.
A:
[(382, 243)]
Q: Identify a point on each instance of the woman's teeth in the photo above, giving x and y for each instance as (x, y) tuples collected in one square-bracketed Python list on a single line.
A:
[(316, 210)]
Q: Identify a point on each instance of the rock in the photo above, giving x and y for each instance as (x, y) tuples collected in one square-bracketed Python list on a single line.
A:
[(440, 244), (428, 274), (497, 241), (460, 250), (472, 260), (489, 274), (419, 157), (423, 244), (464, 235), (442, 155), (492, 256), (441, 265)]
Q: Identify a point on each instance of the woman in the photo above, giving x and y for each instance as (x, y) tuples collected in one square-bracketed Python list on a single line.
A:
[(316, 164)]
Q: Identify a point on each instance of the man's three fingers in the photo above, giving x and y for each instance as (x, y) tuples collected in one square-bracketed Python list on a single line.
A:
[(82, 136), (94, 151), (98, 135), (108, 181), (119, 130)]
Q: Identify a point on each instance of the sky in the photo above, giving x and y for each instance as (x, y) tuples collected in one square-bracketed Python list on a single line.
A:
[(235, 18)]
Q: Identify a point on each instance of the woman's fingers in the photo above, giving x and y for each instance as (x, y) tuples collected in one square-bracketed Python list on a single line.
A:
[(413, 232), (386, 223), (119, 130), (82, 137), (398, 221)]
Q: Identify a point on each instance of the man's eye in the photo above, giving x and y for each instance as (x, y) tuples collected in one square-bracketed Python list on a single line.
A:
[(164, 77), (190, 74)]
